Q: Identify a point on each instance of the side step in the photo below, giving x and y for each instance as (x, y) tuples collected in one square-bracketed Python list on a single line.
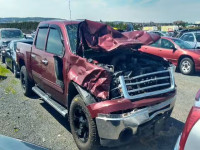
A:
[(62, 110)]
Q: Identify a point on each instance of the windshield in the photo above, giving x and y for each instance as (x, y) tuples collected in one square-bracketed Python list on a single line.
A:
[(183, 44), (197, 36), (11, 34), (72, 34)]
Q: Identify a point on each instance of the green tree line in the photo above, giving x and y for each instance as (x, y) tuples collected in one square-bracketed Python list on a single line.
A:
[(26, 27)]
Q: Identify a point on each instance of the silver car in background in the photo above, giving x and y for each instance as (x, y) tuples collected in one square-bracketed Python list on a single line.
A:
[(193, 38), (7, 35)]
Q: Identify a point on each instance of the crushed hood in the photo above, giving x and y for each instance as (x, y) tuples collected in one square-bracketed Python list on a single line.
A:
[(101, 37)]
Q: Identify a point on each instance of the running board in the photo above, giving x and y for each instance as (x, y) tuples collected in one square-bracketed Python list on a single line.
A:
[(62, 110)]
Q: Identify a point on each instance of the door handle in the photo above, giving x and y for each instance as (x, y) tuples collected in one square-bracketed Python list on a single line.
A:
[(45, 62), (33, 55), (160, 50)]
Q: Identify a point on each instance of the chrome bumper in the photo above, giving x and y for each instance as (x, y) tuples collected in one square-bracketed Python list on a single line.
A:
[(110, 126)]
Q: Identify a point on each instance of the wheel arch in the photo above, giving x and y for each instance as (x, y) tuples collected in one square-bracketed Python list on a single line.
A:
[(185, 56), (74, 89)]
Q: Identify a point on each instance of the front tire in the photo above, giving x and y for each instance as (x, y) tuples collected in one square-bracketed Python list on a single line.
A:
[(83, 127), (186, 66), (25, 82)]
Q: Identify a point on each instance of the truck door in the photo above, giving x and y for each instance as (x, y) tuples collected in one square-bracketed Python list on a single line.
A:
[(53, 64), (38, 50)]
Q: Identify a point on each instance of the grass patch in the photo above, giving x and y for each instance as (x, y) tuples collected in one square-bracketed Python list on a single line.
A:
[(3, 71), (10, 89), (14, 81)]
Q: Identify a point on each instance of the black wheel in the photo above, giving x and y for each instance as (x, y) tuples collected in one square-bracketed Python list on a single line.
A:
[(25, 82), (186, 66), (83, 127), (15, 71), (2, 59)]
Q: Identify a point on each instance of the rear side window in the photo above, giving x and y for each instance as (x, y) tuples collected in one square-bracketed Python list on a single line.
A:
[(188, 37), (156, 44), (41, 38), (54, 43)]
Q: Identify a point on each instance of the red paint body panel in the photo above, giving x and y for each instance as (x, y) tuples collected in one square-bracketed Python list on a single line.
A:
[(173, 55), (109, 106)]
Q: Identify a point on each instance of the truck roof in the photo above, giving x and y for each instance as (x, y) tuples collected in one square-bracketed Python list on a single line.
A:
[(65, 22), (9, 29)]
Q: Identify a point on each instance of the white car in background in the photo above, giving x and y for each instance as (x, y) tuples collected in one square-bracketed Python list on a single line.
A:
[(190, 137), (193, 38)]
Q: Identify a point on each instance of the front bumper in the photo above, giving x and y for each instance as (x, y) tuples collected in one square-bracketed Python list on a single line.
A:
[(112, 126), (177, 143)]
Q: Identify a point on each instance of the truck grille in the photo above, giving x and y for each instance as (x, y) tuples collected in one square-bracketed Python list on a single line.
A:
[(149, 84)]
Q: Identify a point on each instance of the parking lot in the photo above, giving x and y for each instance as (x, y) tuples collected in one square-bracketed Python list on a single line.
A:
[(32, 120)]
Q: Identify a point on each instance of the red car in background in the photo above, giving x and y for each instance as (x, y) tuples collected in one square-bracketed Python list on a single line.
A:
[(178, 52), (190, 137)]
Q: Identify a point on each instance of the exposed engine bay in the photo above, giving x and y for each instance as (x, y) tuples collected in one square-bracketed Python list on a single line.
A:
[(131, 64)]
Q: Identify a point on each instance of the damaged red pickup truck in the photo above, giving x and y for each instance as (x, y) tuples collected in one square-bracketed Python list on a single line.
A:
[(95, 75)]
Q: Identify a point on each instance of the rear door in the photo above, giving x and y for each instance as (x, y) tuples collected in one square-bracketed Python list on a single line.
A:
[(152, 49), (38, 50), (53, 65)]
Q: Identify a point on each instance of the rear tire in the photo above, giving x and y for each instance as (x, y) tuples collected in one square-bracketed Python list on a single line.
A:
[(186, 66), (83, 127), (15, 72), (25, 82), (2, 59)]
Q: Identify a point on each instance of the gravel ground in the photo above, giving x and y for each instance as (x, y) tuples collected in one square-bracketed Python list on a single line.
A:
[(32, 120)]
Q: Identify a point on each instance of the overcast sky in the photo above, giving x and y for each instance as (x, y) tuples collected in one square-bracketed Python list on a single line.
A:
[(106, 10)]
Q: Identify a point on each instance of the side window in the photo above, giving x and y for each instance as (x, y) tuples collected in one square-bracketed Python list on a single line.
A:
[(184, 37), (166, 44), (41, 38), (190, 38), (54, 43), (156, 44)]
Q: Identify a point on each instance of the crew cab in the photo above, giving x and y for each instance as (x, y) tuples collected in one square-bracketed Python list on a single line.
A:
[(178, 52), (96, 76)]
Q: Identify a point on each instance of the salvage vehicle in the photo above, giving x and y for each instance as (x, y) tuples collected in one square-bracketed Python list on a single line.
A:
[(95, 75), (7, 35), (178, 52), (11, 53), (190, 137), (8, 143)]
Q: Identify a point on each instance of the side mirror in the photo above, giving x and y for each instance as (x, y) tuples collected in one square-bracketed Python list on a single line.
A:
[(175, 48)]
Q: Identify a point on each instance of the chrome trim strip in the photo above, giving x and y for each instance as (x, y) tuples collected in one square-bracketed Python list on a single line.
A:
[(148, 87), (156, 79), (148, 74)]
